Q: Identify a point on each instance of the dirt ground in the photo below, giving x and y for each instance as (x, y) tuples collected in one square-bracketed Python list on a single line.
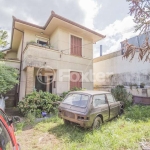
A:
[(32, 139)]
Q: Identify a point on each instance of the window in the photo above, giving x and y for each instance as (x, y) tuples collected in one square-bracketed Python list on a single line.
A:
[(75, 79), (110, 98), (76, 46), (98, 100), (80, 100), (5, 140), (42, 42)]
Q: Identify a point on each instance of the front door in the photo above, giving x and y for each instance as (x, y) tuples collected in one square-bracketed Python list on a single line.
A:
[(40, 83), (75, 80), (100, 106), (6, 142), (114, 106)]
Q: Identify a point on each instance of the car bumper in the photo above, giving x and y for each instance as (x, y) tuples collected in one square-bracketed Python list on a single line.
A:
[(81, 122)]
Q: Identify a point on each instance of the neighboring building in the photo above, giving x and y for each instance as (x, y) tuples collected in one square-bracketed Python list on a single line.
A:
[(52, 54), (112, 69)]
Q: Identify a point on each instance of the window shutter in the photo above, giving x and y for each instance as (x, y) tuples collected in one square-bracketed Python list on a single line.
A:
[(76, 46)]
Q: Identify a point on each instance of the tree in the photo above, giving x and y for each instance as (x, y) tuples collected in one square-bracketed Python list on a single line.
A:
[(140, 9), (3, 37), (3, 41), (8, 78)]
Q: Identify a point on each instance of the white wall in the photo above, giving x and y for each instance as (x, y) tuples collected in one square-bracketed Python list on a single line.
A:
[(117, 70)]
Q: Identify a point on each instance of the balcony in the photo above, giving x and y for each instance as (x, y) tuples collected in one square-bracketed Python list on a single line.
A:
[(38, 55)]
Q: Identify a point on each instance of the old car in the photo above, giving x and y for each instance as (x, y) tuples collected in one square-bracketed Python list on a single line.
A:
[(89, 108), (7, 136)]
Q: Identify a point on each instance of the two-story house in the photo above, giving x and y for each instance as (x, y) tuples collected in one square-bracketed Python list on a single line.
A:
[(55, 57)]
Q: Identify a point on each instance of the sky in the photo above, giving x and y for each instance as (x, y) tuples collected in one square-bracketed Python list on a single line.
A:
[(108, 17)]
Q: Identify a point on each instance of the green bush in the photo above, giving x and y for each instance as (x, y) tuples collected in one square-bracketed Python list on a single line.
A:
[(121, 94), (138, 113), (37, 102), (63, 95), (8, 78)]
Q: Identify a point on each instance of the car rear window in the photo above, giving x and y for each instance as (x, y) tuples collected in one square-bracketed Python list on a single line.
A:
[(79, 100)]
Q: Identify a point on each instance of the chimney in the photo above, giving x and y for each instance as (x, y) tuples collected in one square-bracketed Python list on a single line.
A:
[(101, 51)]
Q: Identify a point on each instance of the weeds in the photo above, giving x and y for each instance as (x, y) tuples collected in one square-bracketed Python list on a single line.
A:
[(119, 134), (138, 113)]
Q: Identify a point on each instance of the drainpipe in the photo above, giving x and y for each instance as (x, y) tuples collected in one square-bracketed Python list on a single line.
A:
[(20, 61), (101, 50)]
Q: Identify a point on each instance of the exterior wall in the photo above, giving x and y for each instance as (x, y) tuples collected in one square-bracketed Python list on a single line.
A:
[(58, 58), (63, 63), (111, 70), (54, 38), (11, 63), (32, 36), (11, 55), (22, 85), (64, 36), (29, 80), (19, 50)]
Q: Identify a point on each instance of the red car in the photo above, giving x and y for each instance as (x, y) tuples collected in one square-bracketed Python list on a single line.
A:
[(7, 136)]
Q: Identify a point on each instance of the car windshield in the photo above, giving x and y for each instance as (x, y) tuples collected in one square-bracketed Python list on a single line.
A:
[(80, 100)]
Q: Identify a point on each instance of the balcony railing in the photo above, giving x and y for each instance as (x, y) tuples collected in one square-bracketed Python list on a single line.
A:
[(40, 45)]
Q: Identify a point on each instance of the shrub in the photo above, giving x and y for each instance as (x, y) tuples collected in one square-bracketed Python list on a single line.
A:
[(121, 94), (2, 55), (63, 95), (37, 102), (8, 78), (138, 113)]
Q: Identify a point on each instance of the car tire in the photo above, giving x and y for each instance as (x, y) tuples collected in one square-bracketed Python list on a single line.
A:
[(66, 122), (97, 123), (121, 111)]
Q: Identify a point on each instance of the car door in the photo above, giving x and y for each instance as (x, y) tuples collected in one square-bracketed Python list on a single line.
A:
[(5, 117), (7, 137), (100, 106), (113, 105)]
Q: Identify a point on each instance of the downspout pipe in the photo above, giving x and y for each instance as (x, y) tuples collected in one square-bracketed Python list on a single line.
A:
[(20, 60)]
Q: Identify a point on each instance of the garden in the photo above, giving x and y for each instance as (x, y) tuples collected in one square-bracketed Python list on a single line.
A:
[(128, 131)]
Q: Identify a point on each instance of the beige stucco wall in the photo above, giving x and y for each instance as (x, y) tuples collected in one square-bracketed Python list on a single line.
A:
[(11, 63), (54, 38), (11, 55), (19, 50), (63, 63), (60, 40), (33, 36)]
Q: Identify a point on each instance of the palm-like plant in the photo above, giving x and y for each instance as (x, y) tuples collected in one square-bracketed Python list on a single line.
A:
[(3, 37)]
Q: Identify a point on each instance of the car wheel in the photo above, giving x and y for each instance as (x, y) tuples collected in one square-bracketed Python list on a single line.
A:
[(66, 122), (121, 111), (97, 123)]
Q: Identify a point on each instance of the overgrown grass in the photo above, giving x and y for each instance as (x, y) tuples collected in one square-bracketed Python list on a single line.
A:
[(122, 133), (138, 113)]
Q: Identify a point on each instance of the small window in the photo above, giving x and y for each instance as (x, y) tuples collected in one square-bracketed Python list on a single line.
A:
[(98, 100), (5, 139), (110, 98), (42, 42)]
